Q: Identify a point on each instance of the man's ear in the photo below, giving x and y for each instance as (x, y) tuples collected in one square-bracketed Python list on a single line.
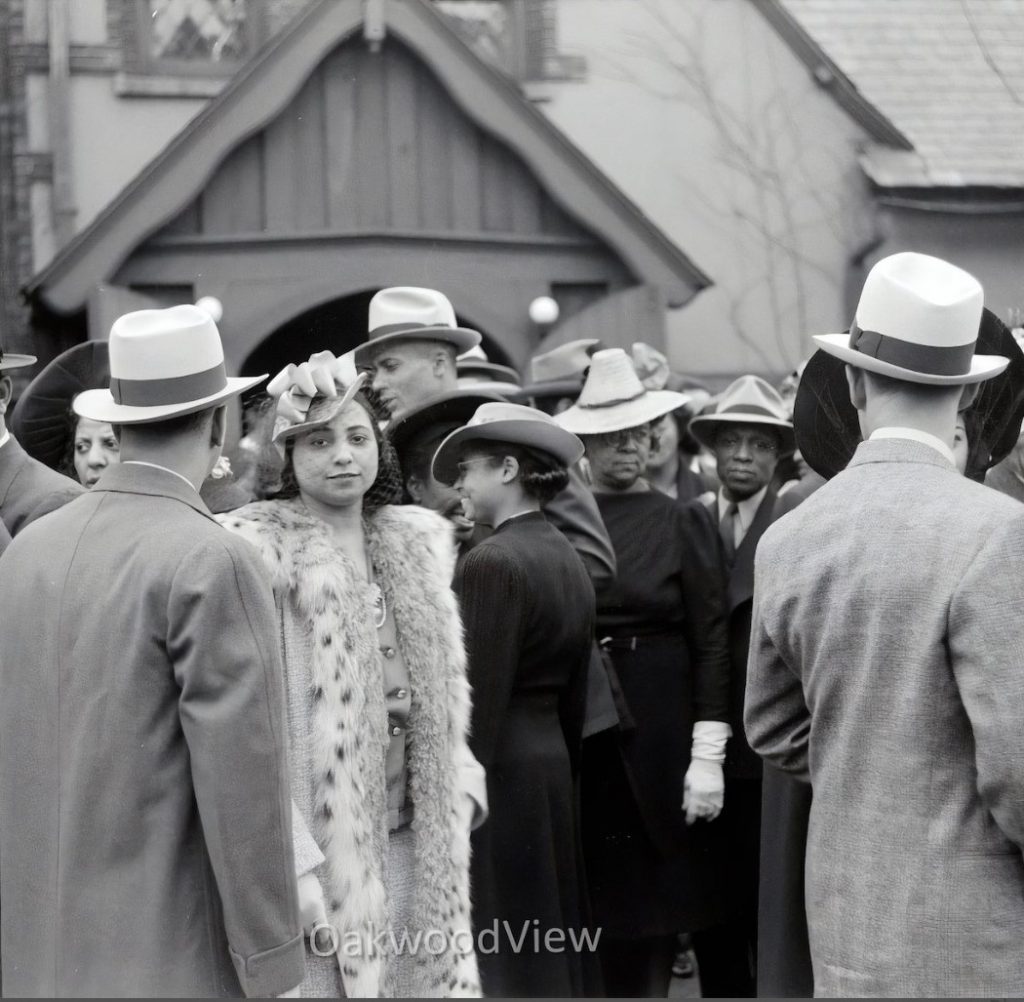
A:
[(6, 392), (856, 382), (968, 396), (415, 487), (218, 427), (510, 469)]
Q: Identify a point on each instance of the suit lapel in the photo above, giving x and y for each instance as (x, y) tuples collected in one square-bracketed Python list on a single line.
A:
[(12, 458), (741, 576)]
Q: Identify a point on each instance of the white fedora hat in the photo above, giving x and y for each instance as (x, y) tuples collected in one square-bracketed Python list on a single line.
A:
[(502, 422), (408, 313), (163, 364), (613, 398), (747, 400), (917, 320)]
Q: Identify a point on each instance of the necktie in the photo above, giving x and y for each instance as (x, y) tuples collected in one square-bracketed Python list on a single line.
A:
[(727, 530)]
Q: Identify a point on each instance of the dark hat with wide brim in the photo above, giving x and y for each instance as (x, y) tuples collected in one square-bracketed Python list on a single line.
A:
[(511, 423), (41, 420), (828, 427), (446, 409)]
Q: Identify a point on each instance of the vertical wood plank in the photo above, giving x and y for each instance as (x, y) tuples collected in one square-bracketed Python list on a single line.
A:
[(497, 211), (434, 114), (371, 171), (524, 196), (233, 200), (308, 181), (339, 136), (402, 137), (279, 151), (464, 175)]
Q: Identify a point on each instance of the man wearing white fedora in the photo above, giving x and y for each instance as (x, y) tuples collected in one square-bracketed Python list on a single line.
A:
[(28, 489), (146, 822), (887, 665)]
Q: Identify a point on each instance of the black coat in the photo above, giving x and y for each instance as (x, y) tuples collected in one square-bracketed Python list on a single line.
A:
[(528, 609)]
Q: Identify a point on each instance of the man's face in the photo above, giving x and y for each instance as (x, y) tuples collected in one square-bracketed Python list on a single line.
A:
[(747, 455), (409, 373), (447, 501)]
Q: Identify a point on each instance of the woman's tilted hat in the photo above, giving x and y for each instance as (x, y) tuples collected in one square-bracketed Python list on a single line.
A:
[(163, 364), (408, 313), (40, 421), (613, 398), (322, 410), (747, 400), (512, 423), (917, 320), (828, 427)]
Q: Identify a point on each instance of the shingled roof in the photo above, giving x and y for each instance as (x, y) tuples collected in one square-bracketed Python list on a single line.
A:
[(947, 74)]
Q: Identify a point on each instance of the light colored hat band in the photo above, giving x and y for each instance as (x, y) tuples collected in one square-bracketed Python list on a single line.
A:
[(935, 361), (604, 404), (171, 390)]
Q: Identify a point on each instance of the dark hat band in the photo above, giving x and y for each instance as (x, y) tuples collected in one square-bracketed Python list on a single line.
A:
[(611, 403), (750, 409), (173, 390), (928, 359)]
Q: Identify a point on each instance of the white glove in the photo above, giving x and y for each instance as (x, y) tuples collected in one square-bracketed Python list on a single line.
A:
[(704, 785), (703, 790)]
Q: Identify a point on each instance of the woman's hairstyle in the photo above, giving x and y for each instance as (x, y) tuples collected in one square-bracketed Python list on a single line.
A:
[(386, 488), (66, 463), (541, 476)]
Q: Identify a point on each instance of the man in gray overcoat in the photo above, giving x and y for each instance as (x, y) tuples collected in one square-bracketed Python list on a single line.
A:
[(887, 665), (145, 824)]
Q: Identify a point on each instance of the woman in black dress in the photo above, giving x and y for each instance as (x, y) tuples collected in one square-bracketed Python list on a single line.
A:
[(646, 787), (528, 611)]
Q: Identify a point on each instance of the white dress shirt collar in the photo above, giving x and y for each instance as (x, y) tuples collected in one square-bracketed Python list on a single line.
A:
[(915, 435), (746, 511), (4, 438), (156, 466)]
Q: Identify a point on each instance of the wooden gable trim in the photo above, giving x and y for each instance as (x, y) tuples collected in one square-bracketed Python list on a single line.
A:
[(265, 86), (830, 77)]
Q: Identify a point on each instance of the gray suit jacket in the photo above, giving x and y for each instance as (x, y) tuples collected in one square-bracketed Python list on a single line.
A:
[(145, 825), (887, 663), (28, 488)]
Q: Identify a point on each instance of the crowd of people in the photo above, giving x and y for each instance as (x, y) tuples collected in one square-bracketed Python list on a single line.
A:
[(457, 683)]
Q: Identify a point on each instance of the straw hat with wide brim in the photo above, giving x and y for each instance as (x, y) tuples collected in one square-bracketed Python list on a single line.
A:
[(828, 427), (322, 411), (917, 320), (163, 364), (8, 360), (748, 400), (408, 313), (505, 422), (40, 419), (613, 398)]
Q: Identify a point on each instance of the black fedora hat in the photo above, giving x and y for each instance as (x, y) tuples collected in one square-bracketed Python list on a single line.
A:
[(42, 420), (450, 410), (828, 428)]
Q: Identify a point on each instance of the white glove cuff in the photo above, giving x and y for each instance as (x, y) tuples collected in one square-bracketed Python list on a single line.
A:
[(709, 740)]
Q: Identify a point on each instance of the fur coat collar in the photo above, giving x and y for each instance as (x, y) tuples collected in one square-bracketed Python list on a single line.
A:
[(324, 597)]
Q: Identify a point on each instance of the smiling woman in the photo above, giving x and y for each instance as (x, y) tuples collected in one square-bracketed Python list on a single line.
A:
[(371, 645)]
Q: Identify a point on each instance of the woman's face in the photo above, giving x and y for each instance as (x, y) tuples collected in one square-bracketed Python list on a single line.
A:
[(618, 458), (481, 482), (337, 464), (666, 434), (96, 447), (960, 443)]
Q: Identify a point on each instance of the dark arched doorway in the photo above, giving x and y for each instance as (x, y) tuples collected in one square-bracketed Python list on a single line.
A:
[(338, 325)]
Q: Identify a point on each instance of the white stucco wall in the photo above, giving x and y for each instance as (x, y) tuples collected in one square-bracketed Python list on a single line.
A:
[(712, 126)]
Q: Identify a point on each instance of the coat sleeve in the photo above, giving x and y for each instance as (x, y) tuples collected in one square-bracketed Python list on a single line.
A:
[(492, 594), (5, 537), (775, 715), (986, 647), (222, 643), (574, 513), (703, 585)]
